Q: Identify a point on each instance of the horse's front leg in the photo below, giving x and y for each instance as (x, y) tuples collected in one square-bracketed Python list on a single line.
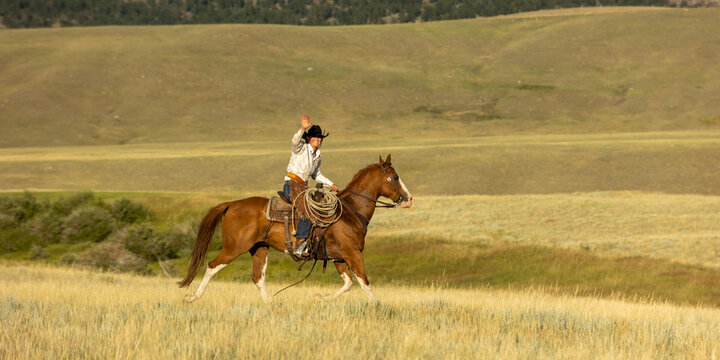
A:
[(344, 272), (355, 261)]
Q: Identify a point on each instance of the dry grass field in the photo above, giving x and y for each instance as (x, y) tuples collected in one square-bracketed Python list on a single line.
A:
[(679, 228), (677, 162), (65, 313)]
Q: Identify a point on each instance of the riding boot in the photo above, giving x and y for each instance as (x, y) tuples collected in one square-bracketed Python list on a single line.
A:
[(301, 248), (302, 233)]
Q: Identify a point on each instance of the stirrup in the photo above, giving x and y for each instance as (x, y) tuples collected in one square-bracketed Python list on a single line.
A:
[(302, 249)]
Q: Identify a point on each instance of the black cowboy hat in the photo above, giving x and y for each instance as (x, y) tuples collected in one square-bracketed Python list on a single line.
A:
[(314, 131)]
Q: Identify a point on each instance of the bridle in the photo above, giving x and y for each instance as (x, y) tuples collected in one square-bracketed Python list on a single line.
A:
[(394, 185), (384, 204)]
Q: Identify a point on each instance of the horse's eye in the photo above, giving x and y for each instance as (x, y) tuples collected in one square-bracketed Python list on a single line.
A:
[(389, 179), (397, 177)]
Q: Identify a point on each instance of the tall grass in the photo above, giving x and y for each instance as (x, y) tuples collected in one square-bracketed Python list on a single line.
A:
[(63, 313), (680, 228)]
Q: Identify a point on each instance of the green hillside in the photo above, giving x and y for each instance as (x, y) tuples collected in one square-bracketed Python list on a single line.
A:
[(566, 71)]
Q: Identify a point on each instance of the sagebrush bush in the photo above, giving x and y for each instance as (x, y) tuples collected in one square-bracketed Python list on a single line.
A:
[(13, 236), (37, 252), (7, 221), (148, 243), (69, 258), (19, 208), (90, 223), (47, 228), (111, 255), (129, 212), (65, 206), (15, 239), (182, 236)]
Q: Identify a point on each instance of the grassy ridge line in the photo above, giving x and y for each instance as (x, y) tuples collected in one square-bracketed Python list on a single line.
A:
[(584, 11), (49, 312), (672, 162), (635, 70), (238, 148)]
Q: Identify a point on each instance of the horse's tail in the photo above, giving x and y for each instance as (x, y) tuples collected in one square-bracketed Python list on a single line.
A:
[(202, 241)]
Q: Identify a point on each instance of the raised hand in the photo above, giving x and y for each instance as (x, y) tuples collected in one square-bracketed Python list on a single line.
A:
[(305, 121)]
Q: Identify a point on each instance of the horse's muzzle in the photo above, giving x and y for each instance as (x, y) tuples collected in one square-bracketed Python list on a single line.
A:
[(405, 201)]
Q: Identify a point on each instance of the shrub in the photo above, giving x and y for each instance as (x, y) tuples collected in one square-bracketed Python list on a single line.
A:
[(126, 211), (13, 235), (47, 228), (7, 221), (14, 239), (90, 223), (37, 252), (148, 243), (112, 255), (181, 237), (19, 208), (69, 258), (66, 206)]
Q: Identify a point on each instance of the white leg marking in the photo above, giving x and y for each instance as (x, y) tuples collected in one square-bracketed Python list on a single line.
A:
[(209, 273), (365, 287), (346, 286), (261, 283)]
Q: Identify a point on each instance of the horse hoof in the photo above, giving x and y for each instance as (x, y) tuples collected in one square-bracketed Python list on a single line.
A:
[(189, 298)]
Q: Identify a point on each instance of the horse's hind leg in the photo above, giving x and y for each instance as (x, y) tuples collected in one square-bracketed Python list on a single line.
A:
[(344, 272), (213, 268), (259, 259)]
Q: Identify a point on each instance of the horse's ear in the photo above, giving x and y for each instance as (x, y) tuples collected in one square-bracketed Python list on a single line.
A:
[(387, 160), (381, 160)]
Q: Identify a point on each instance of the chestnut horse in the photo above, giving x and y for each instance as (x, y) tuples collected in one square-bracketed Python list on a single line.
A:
[(244, 225)]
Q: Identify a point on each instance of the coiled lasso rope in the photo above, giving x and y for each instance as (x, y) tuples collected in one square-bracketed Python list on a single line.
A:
[(321, 213)]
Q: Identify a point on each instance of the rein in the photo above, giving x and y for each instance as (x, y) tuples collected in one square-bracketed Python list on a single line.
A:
[(354, 211), (303, 279), (385, 204)]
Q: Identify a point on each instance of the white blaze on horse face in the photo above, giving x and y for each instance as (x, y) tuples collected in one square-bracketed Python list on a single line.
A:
[(409, 202), (261, 283)]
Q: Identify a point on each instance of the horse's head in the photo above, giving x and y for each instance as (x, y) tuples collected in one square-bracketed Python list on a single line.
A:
[(392, 186)]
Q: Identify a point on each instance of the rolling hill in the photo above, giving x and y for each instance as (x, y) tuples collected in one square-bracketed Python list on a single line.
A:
[(548, 102), (566, 71)]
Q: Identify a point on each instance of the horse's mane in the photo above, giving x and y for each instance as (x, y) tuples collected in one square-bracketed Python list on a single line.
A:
[(359, 175)]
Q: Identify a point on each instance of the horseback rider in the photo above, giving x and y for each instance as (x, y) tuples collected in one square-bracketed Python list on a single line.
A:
[(304, 162)]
